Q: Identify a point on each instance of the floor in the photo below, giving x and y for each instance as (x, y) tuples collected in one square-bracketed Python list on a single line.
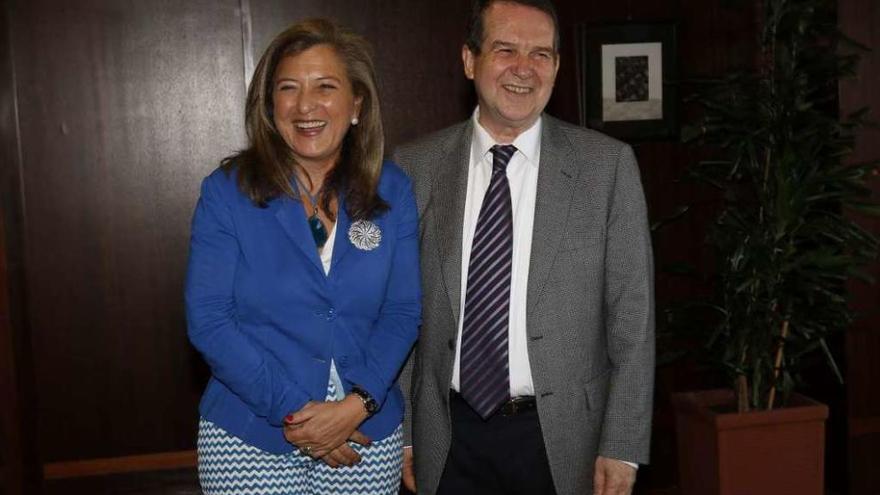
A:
[(175, 482)]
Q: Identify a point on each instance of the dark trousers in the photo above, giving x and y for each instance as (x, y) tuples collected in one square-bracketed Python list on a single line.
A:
[(503, 455)]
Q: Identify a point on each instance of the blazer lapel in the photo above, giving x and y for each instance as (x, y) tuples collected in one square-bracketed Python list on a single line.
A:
[(448, 192), (341, 245), (291, 215), (556, 174)]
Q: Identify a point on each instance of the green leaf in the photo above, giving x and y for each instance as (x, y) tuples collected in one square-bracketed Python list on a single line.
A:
[(690, 133), (675, 215), (680, 268), (831, 362), (865, 208)]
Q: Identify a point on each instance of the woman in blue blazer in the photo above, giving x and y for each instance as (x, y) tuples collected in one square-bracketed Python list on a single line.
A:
[(302, 289)]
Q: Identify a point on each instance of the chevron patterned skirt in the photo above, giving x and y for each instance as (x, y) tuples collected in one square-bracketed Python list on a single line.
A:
[(228, 466)]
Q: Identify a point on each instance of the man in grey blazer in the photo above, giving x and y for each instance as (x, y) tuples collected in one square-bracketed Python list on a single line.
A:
[(555, 394)]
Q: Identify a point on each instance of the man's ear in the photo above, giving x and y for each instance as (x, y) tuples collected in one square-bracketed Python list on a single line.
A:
[(467, 59)]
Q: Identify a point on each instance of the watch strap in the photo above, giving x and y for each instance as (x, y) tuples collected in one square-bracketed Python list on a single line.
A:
[(370, 404)]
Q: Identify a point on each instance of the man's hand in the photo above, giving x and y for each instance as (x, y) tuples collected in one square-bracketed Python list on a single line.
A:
[(613, 477), (408, 474)]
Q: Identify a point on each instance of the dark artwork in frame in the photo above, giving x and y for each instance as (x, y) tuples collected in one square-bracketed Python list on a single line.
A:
[(626, 79)]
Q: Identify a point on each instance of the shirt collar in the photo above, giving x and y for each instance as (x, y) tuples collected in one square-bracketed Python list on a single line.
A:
[(528, 142)]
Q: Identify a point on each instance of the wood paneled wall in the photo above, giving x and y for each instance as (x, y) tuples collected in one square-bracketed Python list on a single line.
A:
[(10, 440), (860, 19), (123, 107), (19, 462)]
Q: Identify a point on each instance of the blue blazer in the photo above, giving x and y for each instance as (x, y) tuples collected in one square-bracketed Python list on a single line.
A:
[(268, 321)]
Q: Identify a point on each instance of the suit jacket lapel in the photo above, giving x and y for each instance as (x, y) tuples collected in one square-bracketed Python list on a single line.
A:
[(449, 191), (291, 216), (341, 246), (556, 173)]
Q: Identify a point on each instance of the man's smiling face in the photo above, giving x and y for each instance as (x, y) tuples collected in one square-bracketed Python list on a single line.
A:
[(515, 69)]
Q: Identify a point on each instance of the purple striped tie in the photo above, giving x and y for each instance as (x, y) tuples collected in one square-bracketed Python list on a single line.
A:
[(484, 375)]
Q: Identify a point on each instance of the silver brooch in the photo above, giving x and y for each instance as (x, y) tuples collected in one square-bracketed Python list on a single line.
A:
[(365, 235)]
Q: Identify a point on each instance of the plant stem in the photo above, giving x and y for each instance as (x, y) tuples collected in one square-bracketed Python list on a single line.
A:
[(742, 386), (742, 394), (777, 365)]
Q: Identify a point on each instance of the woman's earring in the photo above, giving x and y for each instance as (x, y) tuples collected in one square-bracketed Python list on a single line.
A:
[(355, 121)]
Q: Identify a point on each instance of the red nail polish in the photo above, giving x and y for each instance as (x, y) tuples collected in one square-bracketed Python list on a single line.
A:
[(288, 418)]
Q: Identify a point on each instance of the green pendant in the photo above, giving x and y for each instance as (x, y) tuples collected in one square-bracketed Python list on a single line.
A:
[(319, 233)]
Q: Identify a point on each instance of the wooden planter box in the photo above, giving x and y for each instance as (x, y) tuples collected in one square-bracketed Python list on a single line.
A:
[(776, 452)]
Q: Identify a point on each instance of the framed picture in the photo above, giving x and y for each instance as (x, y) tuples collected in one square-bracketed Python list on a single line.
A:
[(626, 75)]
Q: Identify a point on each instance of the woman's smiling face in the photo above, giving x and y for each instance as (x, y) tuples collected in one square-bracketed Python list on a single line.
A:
[(313, 105)]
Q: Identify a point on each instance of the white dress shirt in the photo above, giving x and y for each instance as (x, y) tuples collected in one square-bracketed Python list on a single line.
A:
[(522, 174)]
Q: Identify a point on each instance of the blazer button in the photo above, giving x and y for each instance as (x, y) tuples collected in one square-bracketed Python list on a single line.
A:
[(451, 344)]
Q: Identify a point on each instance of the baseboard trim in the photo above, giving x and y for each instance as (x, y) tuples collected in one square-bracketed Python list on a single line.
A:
[(124, 464)]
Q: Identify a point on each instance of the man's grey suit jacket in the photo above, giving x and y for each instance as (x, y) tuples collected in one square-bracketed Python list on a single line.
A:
[(590, 314)]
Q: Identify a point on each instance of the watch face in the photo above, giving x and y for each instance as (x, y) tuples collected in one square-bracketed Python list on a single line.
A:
[(371, 405)]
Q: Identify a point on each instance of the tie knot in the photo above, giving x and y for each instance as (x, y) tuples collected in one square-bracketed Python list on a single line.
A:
[(502, 154)]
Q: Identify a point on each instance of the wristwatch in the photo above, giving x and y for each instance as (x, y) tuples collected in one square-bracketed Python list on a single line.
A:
[(370, 404)]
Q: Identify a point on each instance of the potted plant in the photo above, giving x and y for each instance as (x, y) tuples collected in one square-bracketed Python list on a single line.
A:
[(785, 248)]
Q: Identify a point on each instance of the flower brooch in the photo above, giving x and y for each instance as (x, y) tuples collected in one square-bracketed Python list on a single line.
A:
[(365, 235)]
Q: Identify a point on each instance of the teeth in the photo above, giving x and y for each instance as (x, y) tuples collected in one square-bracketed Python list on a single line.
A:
[(517, 89), (312, 124)]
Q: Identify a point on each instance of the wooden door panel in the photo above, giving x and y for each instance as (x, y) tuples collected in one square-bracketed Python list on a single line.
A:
[(124, 106)]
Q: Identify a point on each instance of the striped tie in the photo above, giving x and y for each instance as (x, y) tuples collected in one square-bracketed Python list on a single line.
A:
[(485, 380)]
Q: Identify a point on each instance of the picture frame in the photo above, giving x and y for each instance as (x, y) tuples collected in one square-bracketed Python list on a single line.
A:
[(627, 79)]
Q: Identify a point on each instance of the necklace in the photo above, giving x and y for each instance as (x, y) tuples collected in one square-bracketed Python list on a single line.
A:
[(319, 233)]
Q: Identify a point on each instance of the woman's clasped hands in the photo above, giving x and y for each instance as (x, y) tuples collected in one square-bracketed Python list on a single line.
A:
[(321, 430)]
